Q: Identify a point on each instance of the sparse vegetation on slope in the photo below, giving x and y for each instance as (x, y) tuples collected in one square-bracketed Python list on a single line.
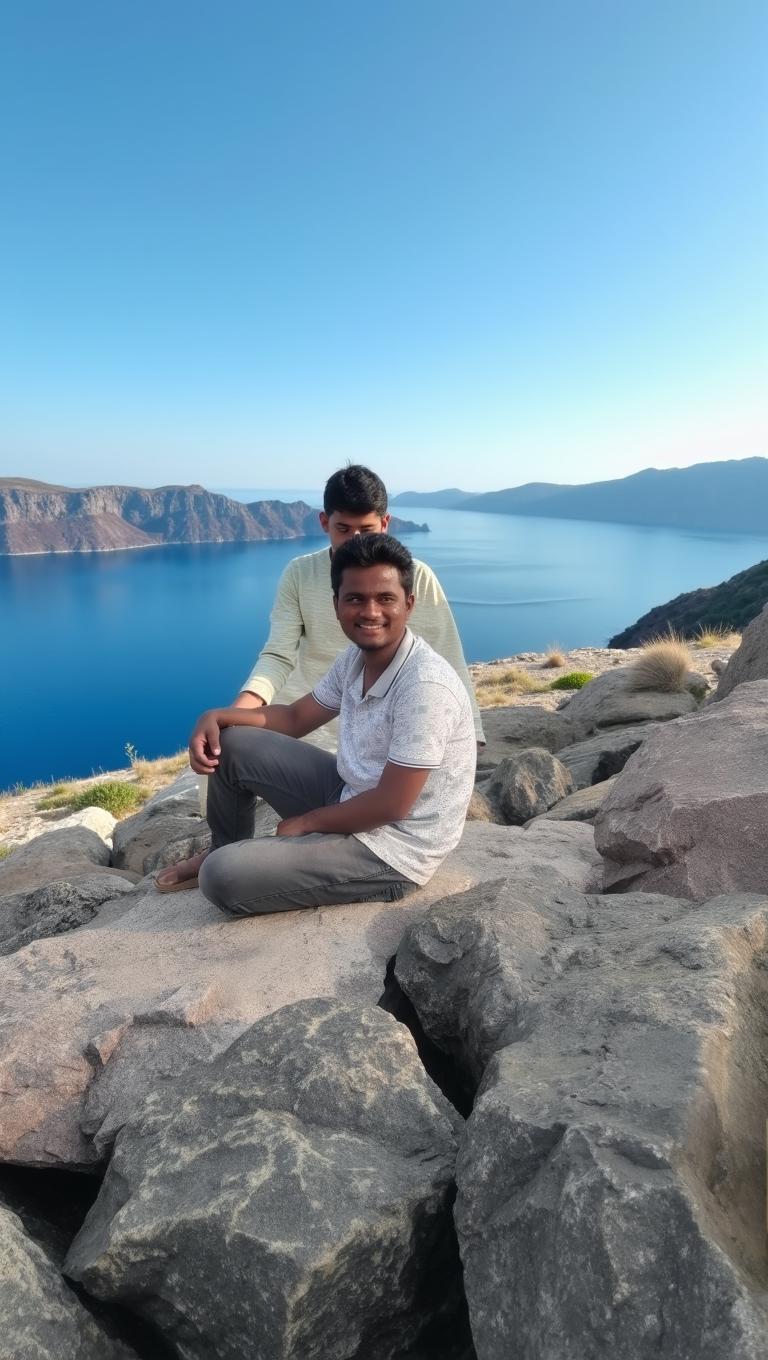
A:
[(115, 795), (720, 609), (496, 687)]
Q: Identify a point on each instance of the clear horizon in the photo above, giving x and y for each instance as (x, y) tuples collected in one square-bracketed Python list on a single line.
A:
[(469, 245)]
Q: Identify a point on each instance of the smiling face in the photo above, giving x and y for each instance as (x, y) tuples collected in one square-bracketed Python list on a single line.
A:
[(342, 525), (372, 607)]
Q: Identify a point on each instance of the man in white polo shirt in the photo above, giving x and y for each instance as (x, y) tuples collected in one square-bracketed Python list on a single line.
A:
[(374, 821)]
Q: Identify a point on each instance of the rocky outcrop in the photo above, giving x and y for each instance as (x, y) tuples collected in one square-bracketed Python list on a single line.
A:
[(688, 814), (55, 908), (525, 785), (581, 806), (750, 660), (280, 1167), (604, 754), (611, 1175), (160, 963), (611, 701), (517, 728), (35, 517), (314, 1160), (41, 1315), (70, 853)]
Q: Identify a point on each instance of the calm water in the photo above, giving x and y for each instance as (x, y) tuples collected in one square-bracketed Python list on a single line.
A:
[(112, 648)]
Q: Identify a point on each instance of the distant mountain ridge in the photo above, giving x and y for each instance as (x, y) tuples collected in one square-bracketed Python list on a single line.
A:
[(36, 517), (730, 496), (731, 605)]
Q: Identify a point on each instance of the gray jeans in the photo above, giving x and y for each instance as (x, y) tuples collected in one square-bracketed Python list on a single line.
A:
[(246, 877)]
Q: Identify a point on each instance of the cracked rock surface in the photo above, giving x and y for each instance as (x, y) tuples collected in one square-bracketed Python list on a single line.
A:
[(291, 1198), (41, 1316), (611, 1176)]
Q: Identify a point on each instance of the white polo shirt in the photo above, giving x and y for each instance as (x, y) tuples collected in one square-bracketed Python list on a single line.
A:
[(417, 714)]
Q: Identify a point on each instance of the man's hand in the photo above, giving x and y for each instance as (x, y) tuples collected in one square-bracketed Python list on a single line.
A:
[(293, 826), (205, 743)]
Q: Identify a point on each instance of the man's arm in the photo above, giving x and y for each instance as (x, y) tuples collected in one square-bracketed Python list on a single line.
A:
[(293, 720), (433, 620), (391, 801), (277, 658)]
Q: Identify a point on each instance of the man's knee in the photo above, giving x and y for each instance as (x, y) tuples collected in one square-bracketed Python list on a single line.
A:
[(218, 881)]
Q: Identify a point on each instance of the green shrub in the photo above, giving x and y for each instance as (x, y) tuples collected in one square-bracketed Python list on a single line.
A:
[(114, 795), (5, 851), (573, 680)]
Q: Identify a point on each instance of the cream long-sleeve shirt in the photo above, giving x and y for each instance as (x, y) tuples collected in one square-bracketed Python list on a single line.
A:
[(305, 637)]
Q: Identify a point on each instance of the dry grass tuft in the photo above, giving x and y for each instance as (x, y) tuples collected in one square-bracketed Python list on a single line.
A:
[(663, 665), (554, 659), (718, 636), (496, 687)]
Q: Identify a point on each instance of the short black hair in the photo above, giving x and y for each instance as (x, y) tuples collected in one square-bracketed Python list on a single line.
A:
[(356, 489), (372, 550)]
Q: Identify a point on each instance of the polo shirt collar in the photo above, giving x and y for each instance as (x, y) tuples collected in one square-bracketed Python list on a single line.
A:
[(387, 678)]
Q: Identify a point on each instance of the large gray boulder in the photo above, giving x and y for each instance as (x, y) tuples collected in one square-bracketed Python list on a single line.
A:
[(611, 701), (750, 660), (291, 1198), (70, 853), (688, 815), (581, 806), (605, 754), (141, 842), (528, 783), (610, 1177), (56, 908), (174, 961), (41, 1316), (508, 730)]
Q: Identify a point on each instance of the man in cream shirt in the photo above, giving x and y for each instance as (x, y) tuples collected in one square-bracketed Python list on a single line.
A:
[(305, 637)]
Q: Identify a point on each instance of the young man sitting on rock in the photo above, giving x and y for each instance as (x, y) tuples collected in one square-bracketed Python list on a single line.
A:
[(373, 822), (305, 637)]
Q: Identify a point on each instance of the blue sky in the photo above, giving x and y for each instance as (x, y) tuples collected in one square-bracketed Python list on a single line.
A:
[(471, 243)]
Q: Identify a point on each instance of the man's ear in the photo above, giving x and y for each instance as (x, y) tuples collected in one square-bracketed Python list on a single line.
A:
[(325, 523), (385, 523), (335, 599), (410, 601)]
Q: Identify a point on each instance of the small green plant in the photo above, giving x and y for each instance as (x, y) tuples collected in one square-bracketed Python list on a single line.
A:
[(131, 752), (573, 680), (5, 851), (553, 659), (113, 795), (662, 665)]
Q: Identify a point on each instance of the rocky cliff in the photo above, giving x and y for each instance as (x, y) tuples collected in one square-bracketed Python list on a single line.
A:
[(730, 605), (36, 518)]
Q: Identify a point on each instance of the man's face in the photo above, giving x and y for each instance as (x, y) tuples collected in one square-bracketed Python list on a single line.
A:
[(341, 526), (372, 606)]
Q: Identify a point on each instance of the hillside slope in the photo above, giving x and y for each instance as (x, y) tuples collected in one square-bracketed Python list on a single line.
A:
[(728, 497), (730, 605)]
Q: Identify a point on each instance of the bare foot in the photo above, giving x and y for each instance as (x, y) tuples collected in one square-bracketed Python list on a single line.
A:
[(181, 875)]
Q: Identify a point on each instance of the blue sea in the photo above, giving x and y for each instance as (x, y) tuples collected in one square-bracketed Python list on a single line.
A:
[(107, 649)]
